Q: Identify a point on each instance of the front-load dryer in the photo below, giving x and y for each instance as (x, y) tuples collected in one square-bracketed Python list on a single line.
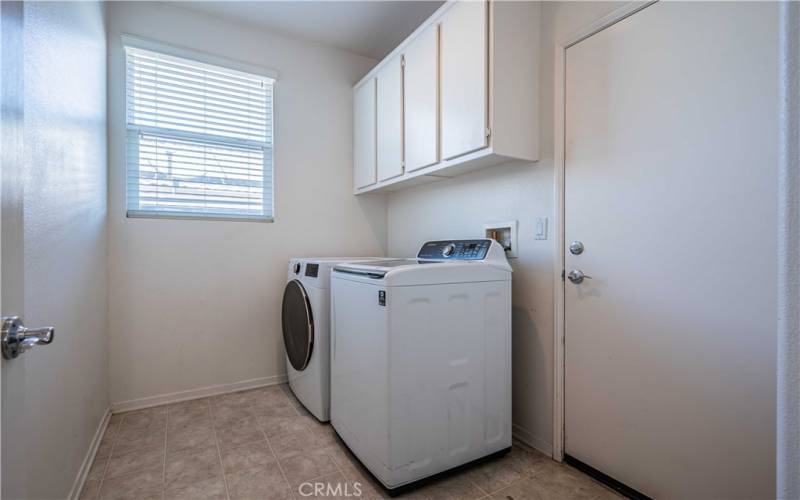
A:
[(306, 330)]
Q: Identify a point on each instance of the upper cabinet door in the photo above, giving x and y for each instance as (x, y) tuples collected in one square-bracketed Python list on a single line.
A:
[(422, 100), (364, 135), (390, 119), (464, 74)]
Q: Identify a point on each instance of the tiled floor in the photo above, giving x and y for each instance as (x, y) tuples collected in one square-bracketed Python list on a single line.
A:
[(262, 444)]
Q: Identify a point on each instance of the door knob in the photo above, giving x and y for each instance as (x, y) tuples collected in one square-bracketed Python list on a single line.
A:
[(576, 276), (17, 338)]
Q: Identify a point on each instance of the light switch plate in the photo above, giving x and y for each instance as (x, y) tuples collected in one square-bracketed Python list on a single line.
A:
[(540, 231)]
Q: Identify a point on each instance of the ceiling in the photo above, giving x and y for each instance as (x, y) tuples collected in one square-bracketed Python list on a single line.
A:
[(368, 28)]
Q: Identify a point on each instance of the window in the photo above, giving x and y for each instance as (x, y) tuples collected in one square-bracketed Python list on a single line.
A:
[(199, 139)]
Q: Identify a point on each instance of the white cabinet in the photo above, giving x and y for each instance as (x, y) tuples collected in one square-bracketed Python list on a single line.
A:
[(364, 129), (422, 100), (390, 119), (464, 78), (466, 97)]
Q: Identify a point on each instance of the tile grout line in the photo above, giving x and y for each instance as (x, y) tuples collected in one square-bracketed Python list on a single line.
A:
[(110, 455), (272, 450), (277, 461), (219, 451)]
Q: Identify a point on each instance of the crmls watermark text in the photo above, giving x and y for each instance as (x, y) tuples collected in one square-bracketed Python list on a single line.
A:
[(337, 490)]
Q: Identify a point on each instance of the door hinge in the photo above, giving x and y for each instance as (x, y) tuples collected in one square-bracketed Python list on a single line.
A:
[(403, 61), (488, 132), (562, 275)]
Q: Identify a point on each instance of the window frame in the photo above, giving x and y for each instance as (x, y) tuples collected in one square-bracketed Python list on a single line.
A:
[(136, 42)]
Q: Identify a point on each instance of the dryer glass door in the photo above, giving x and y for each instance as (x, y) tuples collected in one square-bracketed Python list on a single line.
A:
[(298, 325)]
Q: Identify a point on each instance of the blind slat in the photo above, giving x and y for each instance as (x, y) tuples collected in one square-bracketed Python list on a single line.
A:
[(164, 94), (199, 139), (143, 78)]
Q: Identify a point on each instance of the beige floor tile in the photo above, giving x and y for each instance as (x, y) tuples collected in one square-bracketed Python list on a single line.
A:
[(198, 435), (292, 443), (272, 426), (342, 456), (554, 482), (306, 465), (456, 487), (188, 406), (501, 472), (142, 485), (207, 489), (273, 393), (104, 449), (90, 489), (136, 439), (140, 459), (274, 410), (97, 470), (112, 429), (147, 418), (106, 444), (188, 412), (332, 486), (232, 400), (238, 432), (324, 436), (191, 466), (266, 483), (269, 400), (605, 493), (361, 480), (171, 452), (223, 414), (249, 456)]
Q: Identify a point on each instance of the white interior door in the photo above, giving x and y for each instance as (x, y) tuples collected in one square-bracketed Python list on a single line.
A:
[(670, 168), (421, 100), (390, 119), (53, 260), (364, 135), (13, 455), (464, 78)]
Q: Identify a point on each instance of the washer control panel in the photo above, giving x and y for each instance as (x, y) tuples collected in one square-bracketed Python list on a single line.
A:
[(455, 250)]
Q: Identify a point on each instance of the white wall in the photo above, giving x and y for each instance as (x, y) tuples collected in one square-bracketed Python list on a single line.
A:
[(197, 303), (520, 191), (66, 383)]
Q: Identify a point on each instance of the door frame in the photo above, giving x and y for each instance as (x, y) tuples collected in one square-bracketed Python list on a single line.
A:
[(788, 421), (559, 111)]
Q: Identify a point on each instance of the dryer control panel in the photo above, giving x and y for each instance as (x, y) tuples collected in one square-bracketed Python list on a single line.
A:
[(455, 250)]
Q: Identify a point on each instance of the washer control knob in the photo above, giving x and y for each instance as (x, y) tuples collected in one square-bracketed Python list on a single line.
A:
[(297, 268), (448, 250)]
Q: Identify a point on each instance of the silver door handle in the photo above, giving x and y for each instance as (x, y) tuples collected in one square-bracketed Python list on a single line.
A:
[(576, 276), (17, 338)]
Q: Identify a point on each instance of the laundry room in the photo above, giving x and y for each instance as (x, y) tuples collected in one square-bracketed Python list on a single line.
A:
[(426, 249)]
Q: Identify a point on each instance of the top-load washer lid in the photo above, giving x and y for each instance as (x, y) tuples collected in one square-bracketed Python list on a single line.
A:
[(438, 262), (298, 325)]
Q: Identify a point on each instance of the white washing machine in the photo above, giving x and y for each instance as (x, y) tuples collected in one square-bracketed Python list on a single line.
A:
[(421, 359), (305, 317)]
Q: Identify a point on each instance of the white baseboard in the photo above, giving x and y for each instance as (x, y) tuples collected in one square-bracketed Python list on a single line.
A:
[(202, 392), (77, 486), (526, 437)]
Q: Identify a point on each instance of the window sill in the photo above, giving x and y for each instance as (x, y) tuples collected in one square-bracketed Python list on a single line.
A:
[(136, 214)]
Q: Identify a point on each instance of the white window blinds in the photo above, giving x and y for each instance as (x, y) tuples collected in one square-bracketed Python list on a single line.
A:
[(199, 139)]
